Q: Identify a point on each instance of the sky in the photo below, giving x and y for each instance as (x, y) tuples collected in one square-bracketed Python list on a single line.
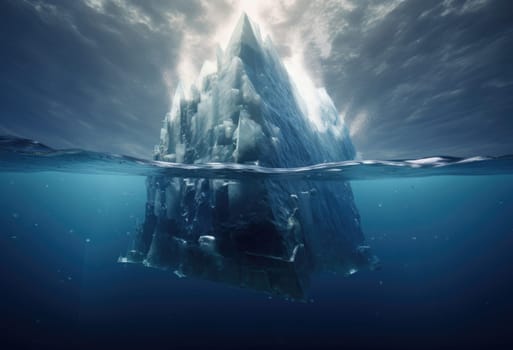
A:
[(410, 78)]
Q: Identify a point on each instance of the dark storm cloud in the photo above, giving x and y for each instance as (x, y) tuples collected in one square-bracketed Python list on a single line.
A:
[(411, 78), (89, 74), (418, 77)]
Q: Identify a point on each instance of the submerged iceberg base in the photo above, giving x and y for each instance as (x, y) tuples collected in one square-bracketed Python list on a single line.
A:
[(270, 274), (196, 228)]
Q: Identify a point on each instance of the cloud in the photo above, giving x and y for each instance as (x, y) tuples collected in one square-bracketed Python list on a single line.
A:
[(417, 72), (358, 124), (94, 63)]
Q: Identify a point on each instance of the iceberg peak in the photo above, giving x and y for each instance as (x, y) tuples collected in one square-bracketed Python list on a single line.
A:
[(245, 38)]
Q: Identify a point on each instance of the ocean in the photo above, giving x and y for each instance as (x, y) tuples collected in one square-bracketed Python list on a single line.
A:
[(441, 227)]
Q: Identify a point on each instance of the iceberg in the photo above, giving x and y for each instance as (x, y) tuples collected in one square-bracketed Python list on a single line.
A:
[(264, 234)]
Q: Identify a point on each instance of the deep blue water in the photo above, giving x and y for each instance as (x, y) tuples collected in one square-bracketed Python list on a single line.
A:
[(445, 245)]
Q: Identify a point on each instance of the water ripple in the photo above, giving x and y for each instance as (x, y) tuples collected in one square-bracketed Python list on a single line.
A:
[(23, 155)]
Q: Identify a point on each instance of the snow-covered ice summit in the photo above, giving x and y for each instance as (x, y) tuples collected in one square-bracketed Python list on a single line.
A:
[(264, 234)]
